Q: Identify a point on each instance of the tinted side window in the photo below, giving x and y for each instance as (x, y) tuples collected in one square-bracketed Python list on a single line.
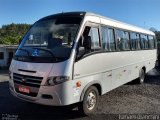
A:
[(144, 41), (108, 42), (138, 42), (135, 41), (151, 42), (122, 40), (126, 40), (1, 55), (94, 34), (88, 42)]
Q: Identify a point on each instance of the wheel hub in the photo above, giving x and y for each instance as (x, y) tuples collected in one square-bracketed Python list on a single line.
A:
[(91, 100)]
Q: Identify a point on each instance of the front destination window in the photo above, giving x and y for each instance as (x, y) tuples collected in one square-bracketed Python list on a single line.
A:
[(49, 40)]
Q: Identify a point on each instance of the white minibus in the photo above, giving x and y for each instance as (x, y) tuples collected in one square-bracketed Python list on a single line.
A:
[(75, 57)]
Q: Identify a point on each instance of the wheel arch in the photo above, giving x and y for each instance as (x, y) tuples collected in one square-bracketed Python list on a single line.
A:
[(144, 68), (95, 83)]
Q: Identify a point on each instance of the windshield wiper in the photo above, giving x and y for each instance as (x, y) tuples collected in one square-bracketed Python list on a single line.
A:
[(24, 50), (47, 50)]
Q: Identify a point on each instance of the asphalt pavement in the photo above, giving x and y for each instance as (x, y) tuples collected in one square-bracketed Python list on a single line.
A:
[(130, 100), (3, 75)]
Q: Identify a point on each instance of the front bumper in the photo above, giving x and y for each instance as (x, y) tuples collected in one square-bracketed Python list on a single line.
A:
[(47, 95)]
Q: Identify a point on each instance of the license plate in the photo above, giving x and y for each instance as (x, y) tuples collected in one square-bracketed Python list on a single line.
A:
[(24, 89)]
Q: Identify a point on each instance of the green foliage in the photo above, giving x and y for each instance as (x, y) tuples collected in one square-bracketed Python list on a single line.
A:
[(13, 33)]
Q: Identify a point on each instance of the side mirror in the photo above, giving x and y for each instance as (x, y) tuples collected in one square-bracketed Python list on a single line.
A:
[(87, 43)]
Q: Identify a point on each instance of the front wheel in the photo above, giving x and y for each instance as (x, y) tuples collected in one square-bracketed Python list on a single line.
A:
[(90, 101)]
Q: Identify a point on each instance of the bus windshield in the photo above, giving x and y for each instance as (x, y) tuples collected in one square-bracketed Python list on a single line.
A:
[(49, 40)]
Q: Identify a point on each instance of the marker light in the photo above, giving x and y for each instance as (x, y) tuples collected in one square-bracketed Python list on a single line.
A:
[(78, 84)]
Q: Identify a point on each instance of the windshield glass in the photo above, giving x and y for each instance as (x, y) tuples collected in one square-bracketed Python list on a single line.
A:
[(49, 40)]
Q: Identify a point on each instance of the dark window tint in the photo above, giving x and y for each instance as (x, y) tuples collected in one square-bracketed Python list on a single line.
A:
[(1, 55), (85, 47), (108, 42), (151, 42), (95, 41), (144, 41), (122, 40), (135, 41)]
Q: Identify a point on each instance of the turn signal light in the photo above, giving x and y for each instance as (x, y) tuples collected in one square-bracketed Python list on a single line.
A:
[(78, 84)]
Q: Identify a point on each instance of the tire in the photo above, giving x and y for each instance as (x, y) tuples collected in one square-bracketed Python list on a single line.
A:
[(90, 101), (157, 63), (141, 78)]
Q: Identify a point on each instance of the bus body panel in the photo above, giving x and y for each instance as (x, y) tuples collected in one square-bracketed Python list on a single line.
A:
[(45, 70), (34, 69), (117, 67)]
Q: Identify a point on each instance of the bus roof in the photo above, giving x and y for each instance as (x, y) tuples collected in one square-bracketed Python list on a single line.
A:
[(101, 20), (118, 24)]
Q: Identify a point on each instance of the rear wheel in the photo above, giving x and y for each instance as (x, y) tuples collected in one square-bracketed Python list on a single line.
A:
[(157, 63), (90, 101)]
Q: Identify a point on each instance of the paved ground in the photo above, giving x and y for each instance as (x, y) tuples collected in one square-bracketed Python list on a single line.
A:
[(3, 75), (127, 99)]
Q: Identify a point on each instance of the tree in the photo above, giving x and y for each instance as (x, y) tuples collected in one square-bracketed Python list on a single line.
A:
[(157, 33), (12, 33), (153, 29)]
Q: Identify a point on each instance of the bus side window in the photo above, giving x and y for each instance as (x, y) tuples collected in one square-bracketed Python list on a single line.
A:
[(144, 41), (89, 41), (133, 40), (122, 40), (81, 44), (151, 42), (95, 41), (138, 42), (108, 41), (126, 40)]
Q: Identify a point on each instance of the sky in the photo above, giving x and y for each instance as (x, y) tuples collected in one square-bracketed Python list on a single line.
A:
[(141, 13)]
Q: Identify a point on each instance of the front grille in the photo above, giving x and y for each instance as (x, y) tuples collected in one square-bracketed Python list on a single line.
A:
[(29, 81)]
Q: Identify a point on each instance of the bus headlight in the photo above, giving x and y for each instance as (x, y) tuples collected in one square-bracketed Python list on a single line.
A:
[(56, 80)]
